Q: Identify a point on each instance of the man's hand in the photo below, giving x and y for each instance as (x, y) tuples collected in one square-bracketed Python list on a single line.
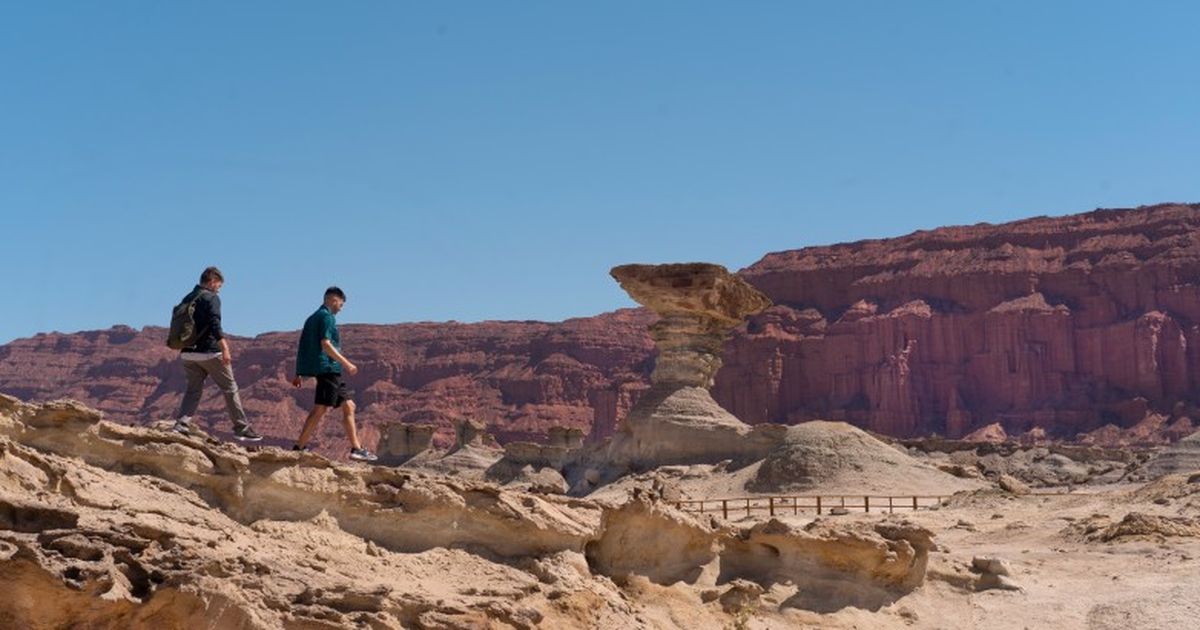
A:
[(226, 358), (333, 353), (296, 381)]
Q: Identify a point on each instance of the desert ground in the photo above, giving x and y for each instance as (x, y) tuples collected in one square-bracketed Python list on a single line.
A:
[(107, 526)]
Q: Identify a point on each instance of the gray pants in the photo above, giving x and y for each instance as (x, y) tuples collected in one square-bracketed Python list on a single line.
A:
[(196, 372)]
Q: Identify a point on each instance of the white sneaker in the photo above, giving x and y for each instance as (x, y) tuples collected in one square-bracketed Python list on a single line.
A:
[(362, 455)]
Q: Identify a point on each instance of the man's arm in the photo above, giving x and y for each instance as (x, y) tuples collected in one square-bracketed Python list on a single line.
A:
[(215, 326), (333, 353)]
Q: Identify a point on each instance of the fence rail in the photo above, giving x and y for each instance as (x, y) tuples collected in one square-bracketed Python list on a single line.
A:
[(820, 504)]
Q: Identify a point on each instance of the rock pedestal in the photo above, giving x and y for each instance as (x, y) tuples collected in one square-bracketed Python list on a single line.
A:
[(467, 433), (677, 420), (401, 442)]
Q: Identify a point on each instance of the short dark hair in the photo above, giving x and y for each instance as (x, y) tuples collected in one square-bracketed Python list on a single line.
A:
[(210, 274), (336, 292)]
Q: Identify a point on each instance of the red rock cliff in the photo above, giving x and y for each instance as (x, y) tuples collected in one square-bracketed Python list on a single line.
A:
[(520, 378), (1063, 323), (1085, 323)]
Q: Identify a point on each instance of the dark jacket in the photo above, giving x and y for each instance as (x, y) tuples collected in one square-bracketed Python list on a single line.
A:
[(208, 320)]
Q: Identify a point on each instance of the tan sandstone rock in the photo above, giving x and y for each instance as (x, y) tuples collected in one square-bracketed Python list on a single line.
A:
[(401, 442), (107, 526), (677, 420)]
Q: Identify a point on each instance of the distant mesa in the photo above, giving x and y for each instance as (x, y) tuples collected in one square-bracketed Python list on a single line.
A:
[(1083, 326)]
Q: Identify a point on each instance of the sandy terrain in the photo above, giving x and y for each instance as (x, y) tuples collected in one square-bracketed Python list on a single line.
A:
[(105, 526)]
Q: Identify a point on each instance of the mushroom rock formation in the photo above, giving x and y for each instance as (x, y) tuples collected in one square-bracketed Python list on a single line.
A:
[(677, 420)]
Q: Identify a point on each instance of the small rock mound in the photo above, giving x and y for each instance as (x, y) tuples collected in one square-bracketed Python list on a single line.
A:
[(993, 433), (820, 453), (1137, 525), (1170, 488), (994, 573), (1181, 457)]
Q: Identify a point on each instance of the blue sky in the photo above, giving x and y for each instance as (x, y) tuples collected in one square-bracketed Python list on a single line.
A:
[(492, 160)]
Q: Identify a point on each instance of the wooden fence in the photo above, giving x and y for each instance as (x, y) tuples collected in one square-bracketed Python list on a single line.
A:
[(819, 504)]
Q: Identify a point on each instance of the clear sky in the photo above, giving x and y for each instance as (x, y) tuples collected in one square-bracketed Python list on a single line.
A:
[(492, 160)]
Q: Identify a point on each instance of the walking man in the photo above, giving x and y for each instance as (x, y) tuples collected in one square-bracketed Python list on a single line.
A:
[(209, 356), (320, 355)]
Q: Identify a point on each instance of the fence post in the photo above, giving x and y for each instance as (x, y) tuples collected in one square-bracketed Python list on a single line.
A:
[(867, 503), (725, 508), (747, 507), (818, 505), (890, 508), (771, 505), (914, 504), (795, 505)]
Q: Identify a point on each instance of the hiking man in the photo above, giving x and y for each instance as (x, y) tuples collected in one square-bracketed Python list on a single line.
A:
[(320, 355), (209, 356)]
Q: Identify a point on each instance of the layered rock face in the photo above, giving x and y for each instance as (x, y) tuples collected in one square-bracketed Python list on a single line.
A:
[(517, 378), (1079, 324), (1067, 324)]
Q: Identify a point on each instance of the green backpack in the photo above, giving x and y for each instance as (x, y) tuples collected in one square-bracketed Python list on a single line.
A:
[(183, 324)]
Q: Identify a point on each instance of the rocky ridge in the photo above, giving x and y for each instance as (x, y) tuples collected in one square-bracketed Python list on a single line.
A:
[(124, 526)]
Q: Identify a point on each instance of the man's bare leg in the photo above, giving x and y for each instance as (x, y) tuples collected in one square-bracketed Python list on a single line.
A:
[(310, 424), (348, 420)]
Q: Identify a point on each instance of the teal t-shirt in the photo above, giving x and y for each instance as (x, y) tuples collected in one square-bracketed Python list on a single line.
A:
[(311, 360)]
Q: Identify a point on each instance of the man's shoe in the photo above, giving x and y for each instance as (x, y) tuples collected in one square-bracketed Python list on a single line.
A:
[(362, 455), (307, 448), (247, 435), (182, 428)]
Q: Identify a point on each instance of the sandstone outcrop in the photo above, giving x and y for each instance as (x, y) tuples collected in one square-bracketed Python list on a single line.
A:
[(993, 433), (423, 511), (106, 526), (863, 565), (828, 567), (1051, 464), (401, 442), (677, 420), (1181, 457), (1139, 526)]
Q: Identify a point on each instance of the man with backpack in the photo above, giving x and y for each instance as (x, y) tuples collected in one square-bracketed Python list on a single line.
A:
[(320, 355), (196, 332)]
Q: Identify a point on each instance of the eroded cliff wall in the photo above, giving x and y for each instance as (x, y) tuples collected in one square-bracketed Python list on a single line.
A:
[(1081, 324)]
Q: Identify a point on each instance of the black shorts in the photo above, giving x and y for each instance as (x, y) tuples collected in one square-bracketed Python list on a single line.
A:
[(332, 390)]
